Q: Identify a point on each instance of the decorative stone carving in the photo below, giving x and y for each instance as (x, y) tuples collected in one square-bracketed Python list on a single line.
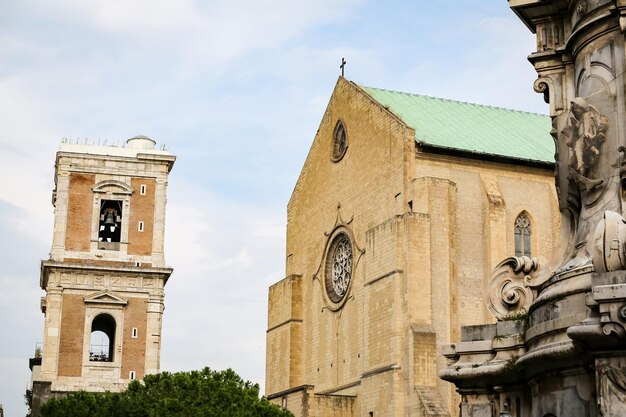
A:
[(105, 297), (548, 85), (611, 306), (609, 240), (612, 391), (571, 360), (584, 164), (338, 264), (338, 272), (621, 6), (585, 133), (507, 292)]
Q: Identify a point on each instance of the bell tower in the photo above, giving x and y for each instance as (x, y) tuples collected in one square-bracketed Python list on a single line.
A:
[(105, 278)]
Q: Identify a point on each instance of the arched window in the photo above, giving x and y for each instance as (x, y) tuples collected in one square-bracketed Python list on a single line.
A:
[(340, 142), (110, 221), (102, 338), (522, 235)]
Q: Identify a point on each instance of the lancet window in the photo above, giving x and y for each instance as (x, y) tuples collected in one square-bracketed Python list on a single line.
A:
[(522, 235)]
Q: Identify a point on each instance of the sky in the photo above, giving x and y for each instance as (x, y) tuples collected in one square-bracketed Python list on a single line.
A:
[(236, 90)]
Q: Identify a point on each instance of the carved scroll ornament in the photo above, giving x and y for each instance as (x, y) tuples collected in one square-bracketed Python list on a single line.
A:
[(550, 86), (506, 292)]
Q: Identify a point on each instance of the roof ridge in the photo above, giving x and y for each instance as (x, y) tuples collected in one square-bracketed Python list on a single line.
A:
[(454, 101)]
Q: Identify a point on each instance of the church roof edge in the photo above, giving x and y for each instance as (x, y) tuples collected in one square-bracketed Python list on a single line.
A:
[(471, 128), (367, 88)]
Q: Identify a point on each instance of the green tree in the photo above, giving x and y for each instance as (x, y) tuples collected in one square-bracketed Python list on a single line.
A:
[(204, 393)]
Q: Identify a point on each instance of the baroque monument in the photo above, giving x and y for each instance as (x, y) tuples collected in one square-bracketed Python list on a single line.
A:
[(105, 278), (401, 200), (558, 347)]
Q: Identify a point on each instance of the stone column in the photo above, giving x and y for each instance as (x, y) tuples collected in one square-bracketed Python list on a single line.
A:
[(564, 355)]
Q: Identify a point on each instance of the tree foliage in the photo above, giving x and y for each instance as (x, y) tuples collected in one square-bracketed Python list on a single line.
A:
[(204, 393)]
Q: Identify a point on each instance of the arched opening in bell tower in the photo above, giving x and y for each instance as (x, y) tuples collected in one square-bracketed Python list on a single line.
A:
[(102, 340), (109, 230)]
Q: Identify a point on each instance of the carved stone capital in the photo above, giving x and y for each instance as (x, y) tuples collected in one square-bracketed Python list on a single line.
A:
[(611, 301), (604, 328), (506, 291)]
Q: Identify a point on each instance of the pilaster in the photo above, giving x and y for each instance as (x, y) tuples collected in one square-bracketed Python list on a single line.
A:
[(60, 197), (52, 329)]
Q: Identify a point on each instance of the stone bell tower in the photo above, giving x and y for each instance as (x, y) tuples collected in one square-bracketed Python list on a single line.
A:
[(105, 278), (559, 346)]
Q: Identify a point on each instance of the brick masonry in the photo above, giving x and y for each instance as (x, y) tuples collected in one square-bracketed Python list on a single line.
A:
[(84, 279), (134, 348), (142, 210), (79, 211), (72, 336)]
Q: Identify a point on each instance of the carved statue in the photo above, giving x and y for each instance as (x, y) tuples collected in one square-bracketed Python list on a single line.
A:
[(612, 391), (586, 132)]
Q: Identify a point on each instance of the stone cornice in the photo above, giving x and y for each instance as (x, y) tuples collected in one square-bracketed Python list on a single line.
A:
[(48, 266)]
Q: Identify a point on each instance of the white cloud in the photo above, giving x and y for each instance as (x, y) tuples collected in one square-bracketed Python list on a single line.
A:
[(202, 32)]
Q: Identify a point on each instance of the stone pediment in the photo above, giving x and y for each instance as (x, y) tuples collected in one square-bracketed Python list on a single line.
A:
[(113, 186), (106, 297)]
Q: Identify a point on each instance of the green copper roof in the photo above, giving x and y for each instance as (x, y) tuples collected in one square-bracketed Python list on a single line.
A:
[(471, 127)]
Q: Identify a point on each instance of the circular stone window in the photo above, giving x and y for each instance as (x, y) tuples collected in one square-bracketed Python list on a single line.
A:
[(340, 141), (338, 271)]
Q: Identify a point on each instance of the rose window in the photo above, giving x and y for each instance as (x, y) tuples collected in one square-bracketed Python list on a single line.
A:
[(339, 267)]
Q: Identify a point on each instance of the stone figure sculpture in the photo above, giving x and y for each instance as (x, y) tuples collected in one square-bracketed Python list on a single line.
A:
[(585, 135), (557, 348)]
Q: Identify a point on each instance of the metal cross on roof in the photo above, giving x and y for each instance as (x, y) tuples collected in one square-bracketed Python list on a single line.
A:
[(342, 66)]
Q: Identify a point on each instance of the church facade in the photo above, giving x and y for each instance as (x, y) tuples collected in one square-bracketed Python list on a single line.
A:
[(404, 205), (105, 278)]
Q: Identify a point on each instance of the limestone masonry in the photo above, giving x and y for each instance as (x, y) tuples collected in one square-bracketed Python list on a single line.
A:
[(403, 207)]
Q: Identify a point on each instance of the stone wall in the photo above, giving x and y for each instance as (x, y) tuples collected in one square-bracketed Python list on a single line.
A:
[(426, 229), (305, 403)]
